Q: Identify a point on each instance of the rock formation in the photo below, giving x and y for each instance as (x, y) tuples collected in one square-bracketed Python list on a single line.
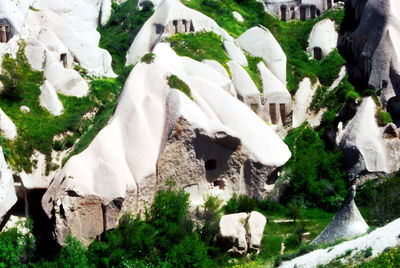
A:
[(371, 46), (241, 233), (347, 222), (208, 142), (7, 191), (323, 39)]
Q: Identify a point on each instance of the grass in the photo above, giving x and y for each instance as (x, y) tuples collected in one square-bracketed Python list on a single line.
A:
[(175, 82), (37, 128)]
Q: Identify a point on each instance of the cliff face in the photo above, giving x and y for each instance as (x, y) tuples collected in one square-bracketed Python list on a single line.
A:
[(370, 42)]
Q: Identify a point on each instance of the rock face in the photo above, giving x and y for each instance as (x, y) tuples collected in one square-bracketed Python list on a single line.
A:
[(241, 232), (7, 126), (297, 9), (210, 143), (259, 42), (235, 53), (372, 152), (49, 99), (372, 47), (347, 222), (378, 240), (323, 39), (7, 191)]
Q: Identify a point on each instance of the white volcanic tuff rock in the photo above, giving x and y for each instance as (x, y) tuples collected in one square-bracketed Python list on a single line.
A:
[(7, 127), (203, 144), (7, 191), (161, 24), (241, 232), (14, 12), (217, 66), (49, 99), (235, 53), (347, 223), (302, 100), (364, 145), (247, 91), (323, 36), (274, 92), (378, 240), (237, 16), (258, 41), (373, 46)]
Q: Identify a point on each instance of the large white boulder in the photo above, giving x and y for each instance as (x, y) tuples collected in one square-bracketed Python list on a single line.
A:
[(7, 127), (233, 233), (217, 66), (203, 142), (363, 143), (235, 53), (170, 17), (323, 38), (259, 41), (49, 99), (7, 191), (256, 224)]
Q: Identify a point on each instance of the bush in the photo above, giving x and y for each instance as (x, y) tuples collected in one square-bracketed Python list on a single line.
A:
[(383, 117), (72, 254), (177, 83), (295, 208), (148, 58)]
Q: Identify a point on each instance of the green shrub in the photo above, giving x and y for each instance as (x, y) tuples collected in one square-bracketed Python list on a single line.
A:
[(148, 58), (175, 82), (295, 209), (72, 254), (389, 258), (383, 117), (292, 241)]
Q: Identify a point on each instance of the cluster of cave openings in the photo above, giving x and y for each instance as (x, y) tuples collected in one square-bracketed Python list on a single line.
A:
[(273, 114), (5, 32), (182, 26)]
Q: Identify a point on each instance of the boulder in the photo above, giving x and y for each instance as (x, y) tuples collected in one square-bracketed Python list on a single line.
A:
[(7, 126), (347, 222), (235, 53), (237, 16), (217, 66), (363, 144), (7, 191), (209, 142), (25, 109), (256, 224), (372, 48), (241, 233), (49, 99), (259, 41), (323, 39)]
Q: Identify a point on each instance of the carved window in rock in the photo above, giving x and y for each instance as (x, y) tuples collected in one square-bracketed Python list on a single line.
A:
[(220, 184), (303, 13), (63, 59), (317, 53), (313, 12), (282, 109), (384, 84), (175, 23), (272, 113), (5, 33), (283, 12)]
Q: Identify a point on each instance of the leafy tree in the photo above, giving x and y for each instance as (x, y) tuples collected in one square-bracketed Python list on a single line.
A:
[(295, 208)]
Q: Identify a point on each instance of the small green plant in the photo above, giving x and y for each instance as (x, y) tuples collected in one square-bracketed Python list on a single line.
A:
[(383, 117), (175, 82), (148, 58)]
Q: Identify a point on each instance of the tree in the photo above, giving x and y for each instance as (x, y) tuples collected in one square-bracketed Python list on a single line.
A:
[(295, 208)]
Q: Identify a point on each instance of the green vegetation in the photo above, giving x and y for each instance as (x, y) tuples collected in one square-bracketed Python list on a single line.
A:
[(378, 200), (390, 258), (253, 71), (148, 58), (323, 185), (383, 117), (177, 83), (117, 36)]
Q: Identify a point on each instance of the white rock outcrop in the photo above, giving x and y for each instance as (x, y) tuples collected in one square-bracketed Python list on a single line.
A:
[(237, 16), (217, 66), (241, 233), (378, 240), (170, 17), (49, 99), (7, 191), (210, 143), (323, 39), (7, 127), (235, 53), (363, 143), (259, 41)]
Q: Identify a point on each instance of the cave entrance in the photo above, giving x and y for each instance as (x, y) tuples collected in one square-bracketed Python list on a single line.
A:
[(63, 59), (303, 13), (393, 107), (283, 12), (329, 3), (272, 113), (317, 53), (5, 33), (210, 165)]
